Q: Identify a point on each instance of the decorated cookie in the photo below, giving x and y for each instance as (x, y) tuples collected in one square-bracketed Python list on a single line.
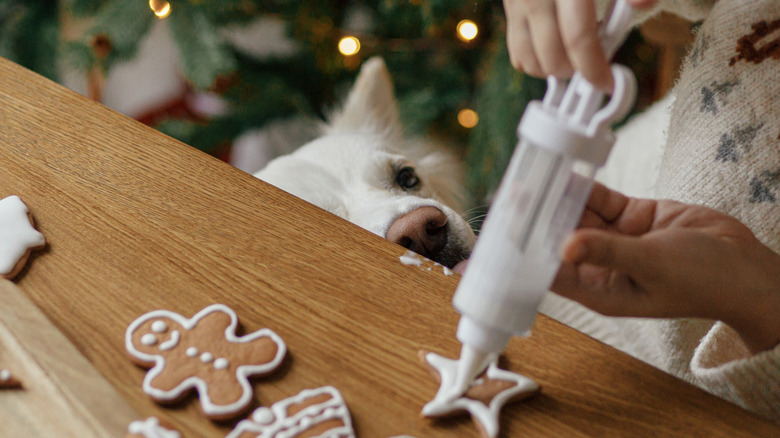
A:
[(150, 428), (317, 412), (18, 237), (489, 392), (8, 381), (202, 353)]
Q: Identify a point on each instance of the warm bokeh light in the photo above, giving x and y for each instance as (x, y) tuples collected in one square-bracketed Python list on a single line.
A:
[(467, 30), (468, 118), (349, 46), (160, 8)]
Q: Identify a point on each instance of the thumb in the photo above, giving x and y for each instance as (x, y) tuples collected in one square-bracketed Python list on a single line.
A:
[(620, 252)]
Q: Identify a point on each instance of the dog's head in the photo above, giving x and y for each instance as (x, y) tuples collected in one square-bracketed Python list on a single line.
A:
[(364, 170)]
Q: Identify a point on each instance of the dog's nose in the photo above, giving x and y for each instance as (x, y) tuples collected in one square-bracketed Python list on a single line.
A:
[(423, 231)]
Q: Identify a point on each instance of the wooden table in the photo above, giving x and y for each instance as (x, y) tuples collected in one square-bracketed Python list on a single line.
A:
[(136, 221)]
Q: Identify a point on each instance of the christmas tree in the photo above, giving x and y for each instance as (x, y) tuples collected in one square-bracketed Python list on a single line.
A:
[(448, 59)]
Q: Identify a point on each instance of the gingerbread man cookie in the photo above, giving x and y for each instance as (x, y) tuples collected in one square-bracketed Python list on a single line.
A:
[(202, 353), (150, 428), (484, 398), (18, 237), (317, 412)]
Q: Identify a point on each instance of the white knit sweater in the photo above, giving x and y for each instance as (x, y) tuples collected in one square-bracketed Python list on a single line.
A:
[(722, 150)]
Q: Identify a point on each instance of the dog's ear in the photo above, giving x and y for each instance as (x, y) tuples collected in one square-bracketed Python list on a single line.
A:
[(371, 102)]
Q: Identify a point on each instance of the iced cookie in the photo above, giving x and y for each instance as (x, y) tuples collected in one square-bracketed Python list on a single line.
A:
[(18, 237), (8, 381), (317, 412), (150, 428), (202, 353), (489, 392)]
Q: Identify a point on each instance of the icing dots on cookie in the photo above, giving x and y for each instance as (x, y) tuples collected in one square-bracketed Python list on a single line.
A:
[(319, 412), (202, 353), (18, 236), (484, 398)]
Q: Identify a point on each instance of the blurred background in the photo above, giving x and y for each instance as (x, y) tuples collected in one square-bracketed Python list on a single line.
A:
[(247, 80)]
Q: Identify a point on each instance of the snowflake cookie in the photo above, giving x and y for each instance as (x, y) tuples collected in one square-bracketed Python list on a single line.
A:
[(150, 428), (18, 237), (489, 392), (202, 353), (317, 412)]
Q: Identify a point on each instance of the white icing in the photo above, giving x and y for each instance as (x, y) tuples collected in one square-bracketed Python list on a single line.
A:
[(17, 235), (149, 339), (159, 326), (150, 428), (242, 371), (4, 375), (192, 352), (206, 357), (221, 363), (443, 403), (263, 416), (172, 342), (411, 258), (274, 422)]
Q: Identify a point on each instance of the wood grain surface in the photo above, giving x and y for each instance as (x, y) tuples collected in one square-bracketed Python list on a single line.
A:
[(136, 221), (62, 393)]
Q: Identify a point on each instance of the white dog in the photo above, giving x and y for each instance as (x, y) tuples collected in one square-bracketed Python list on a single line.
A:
[(364, 170)]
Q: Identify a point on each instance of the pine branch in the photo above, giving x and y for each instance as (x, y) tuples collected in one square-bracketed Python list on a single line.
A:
[(203, 56)]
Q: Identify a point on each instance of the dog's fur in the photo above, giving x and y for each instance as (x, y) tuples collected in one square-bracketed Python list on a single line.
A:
[(353, 169)]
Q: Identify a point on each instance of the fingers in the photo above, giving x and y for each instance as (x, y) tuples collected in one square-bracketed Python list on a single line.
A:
[(606, 203), (549, 38), (624, 254), (518, 39), (579, 31), (546, 39)]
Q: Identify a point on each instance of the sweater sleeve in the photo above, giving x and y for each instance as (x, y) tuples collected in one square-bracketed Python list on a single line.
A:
[(723, 366), (691, 10), (723, 151)]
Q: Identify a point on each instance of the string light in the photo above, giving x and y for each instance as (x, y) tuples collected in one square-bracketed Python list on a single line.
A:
[(467, 30), (161, 8), (468, 118), (349, 45)]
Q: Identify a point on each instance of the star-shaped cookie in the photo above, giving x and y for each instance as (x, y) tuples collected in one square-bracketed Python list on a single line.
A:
[(490, 391), (17, 236)]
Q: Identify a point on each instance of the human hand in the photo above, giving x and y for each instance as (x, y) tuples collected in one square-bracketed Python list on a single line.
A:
[(557, 38), (647, 258)]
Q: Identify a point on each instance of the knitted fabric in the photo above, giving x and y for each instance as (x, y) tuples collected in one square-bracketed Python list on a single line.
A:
[(722, 151)]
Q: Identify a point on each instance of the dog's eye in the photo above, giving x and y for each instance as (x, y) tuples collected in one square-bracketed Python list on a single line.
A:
[(407, 179)]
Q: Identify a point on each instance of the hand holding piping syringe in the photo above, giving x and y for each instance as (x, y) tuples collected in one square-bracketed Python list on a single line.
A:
[(564, 140), (526, 245)]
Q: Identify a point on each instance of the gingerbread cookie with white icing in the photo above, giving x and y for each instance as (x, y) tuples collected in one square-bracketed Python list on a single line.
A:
[(319, 412), (491, 390), (202, 353), (18, 236)]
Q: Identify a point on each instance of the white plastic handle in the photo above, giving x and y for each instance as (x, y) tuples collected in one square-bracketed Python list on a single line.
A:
[(621, 101)]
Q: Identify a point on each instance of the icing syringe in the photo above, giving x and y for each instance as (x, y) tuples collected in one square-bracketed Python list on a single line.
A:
[(564, 139)]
